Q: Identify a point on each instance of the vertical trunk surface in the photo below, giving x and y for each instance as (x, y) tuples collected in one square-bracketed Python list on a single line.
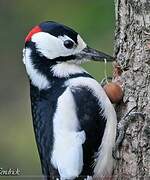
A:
[(132, 51)]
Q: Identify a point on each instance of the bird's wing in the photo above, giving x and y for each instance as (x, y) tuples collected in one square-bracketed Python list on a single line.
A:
[(97, 118), (92, 121)]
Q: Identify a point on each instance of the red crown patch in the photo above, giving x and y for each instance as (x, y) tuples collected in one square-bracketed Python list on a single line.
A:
[(35, 30)]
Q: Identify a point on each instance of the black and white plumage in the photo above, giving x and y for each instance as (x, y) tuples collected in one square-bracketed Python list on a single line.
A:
[(74, 121)]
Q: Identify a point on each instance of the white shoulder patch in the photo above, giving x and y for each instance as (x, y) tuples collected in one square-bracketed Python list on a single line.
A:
[(36, 77), (104, 163), (67, 155), (65, 69)]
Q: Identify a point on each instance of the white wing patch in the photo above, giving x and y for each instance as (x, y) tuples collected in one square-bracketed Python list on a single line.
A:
[(67, 155)]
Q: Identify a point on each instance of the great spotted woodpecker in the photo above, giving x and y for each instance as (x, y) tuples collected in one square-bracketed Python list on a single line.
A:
[(74, 121)]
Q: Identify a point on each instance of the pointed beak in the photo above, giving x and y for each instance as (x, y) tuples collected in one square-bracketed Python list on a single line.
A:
[(92, 54)]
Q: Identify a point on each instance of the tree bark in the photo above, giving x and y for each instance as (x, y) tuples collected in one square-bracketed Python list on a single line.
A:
[(132, 52)]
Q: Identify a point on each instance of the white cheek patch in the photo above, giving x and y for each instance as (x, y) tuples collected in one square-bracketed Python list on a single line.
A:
[(50, 46), (53, 47)]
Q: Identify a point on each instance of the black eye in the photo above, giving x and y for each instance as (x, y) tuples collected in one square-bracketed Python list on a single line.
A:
[(68, 44)]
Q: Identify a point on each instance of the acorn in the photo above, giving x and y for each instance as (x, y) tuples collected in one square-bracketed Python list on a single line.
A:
[(114, 91)]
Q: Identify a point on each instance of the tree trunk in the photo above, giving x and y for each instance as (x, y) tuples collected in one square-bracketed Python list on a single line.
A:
[(132, 51)]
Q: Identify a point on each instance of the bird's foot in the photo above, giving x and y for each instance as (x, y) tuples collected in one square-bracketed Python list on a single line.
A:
[(121, 128)]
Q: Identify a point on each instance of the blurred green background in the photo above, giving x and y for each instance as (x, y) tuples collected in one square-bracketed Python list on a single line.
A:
[(93, 19)]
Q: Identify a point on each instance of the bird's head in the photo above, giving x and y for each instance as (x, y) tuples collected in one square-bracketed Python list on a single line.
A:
[(51, 43), (58, 42)]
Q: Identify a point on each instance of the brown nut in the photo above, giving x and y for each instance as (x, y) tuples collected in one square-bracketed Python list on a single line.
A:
[(113, 91)]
